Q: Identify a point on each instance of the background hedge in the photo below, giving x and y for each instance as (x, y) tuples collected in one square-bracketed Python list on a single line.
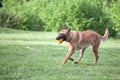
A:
[(51, 15)]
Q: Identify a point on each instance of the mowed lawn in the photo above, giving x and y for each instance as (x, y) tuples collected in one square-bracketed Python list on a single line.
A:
[(28, 55)]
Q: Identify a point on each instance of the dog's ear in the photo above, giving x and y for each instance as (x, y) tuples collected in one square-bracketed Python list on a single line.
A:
[(68, 31), (64, 27)]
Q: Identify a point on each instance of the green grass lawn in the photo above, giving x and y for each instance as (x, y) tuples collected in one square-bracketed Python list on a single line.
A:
[(26, 55)]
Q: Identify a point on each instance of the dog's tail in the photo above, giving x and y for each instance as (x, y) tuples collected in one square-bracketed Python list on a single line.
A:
[(105, 37)]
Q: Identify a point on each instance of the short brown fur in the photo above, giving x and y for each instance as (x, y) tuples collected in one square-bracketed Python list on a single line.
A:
[(81, 40)]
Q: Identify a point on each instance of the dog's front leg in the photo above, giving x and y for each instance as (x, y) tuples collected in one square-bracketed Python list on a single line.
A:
[(69, 54)]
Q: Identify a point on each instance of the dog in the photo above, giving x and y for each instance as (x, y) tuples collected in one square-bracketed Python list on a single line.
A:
[(80, 41)]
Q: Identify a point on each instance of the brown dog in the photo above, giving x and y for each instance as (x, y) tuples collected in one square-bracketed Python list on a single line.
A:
[(81, 40)]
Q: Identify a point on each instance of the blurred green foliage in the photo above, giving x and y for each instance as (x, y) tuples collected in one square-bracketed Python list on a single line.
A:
[(51, 15)]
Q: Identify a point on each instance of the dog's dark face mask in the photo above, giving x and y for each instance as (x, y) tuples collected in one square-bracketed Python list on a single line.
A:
[(62, 36)]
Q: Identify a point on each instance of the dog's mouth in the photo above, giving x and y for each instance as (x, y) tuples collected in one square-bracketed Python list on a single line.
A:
[(60, 38)]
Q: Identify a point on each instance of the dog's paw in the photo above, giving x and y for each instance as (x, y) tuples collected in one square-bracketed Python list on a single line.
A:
[(76, 62), (71, 59)]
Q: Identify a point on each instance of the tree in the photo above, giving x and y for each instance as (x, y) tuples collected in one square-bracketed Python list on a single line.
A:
[(1, 4)]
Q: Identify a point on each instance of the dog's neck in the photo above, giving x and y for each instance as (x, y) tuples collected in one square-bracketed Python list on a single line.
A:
[(70, 37)]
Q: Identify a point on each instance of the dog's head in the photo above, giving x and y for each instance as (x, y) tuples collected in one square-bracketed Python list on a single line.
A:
[(63, 34)]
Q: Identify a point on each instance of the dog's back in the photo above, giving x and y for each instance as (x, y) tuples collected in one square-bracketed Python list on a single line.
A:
[(86, 38)]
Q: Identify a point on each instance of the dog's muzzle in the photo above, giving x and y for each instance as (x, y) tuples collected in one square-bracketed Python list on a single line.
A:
[(61, 37)]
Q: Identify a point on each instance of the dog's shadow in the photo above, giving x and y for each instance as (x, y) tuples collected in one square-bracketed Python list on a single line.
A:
[(85, 64)]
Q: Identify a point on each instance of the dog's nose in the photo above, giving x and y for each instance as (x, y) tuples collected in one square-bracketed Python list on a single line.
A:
[(57, 37)]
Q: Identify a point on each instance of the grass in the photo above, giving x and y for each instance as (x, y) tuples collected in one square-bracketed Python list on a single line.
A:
[(26, 55)]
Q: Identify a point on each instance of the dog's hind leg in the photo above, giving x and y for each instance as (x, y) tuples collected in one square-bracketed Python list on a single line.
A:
[(95, 50), (81, 55), (96, 55)]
